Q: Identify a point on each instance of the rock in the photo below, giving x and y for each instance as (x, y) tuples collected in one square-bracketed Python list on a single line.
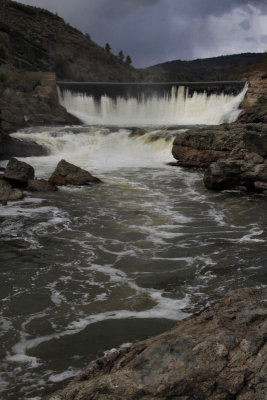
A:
[(11, 147), (35, 185), (224, 174), (69, 174), (18, 173), (7, 193), (234, 155), (199, 148), (218, 354)]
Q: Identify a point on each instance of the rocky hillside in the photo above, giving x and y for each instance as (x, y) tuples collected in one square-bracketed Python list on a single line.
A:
[(34, 39), (208, 69)]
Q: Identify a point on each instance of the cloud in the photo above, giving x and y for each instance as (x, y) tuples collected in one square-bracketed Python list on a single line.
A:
[(154, 31), (245, 24)]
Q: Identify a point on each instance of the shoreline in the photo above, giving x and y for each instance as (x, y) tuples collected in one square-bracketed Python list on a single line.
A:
[(216, 354)]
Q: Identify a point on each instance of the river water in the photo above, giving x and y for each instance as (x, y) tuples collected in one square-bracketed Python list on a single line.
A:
[(88, 269)]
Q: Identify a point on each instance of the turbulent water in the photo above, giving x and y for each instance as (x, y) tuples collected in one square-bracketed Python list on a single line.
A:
[(88, 269)]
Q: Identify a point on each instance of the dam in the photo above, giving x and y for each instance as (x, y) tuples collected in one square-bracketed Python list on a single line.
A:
[(172, 103)]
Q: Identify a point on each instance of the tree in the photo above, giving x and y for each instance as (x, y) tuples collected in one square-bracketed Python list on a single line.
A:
[(128, 60), (108, 48), (121, 55)]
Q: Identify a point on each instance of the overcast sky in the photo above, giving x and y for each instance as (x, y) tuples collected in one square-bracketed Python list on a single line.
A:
[(154, 31)]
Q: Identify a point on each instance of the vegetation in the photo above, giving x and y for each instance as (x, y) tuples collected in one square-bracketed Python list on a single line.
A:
[(128, 60), (121, 55), (108, 48)]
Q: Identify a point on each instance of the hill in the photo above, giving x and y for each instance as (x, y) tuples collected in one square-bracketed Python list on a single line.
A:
[(231, 67), (34, 39)]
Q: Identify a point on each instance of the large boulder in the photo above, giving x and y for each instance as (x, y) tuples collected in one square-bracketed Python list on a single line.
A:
[(234, 155), (18, 173), (7, 193), (219, 354), (69, 174), (200, 147)]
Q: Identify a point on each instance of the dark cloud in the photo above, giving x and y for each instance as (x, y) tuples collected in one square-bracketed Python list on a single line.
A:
[(154, 31)]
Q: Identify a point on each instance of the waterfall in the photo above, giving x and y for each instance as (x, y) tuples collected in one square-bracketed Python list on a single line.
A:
[(173, 105)]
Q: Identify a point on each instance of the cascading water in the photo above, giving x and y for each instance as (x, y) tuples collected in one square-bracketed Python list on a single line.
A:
[(174, 106)]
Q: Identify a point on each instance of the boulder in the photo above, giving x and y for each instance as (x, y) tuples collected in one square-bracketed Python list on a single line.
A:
[(41, 185), (18, 173), (218, 354), (7, 193), (200, 147), (69, 174)]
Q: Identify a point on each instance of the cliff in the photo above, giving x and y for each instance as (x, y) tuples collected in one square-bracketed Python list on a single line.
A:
[(220, 354)]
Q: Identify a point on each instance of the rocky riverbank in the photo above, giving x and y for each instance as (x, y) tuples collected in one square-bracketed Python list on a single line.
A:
[(234, 154), (28, 99), (219, 354)]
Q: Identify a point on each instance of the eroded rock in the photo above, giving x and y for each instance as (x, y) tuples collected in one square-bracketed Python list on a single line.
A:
[(219, 354), (18, 173), (69, 174), (7, 193)]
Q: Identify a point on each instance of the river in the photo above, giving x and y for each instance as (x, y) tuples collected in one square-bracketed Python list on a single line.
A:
[(88, 269)]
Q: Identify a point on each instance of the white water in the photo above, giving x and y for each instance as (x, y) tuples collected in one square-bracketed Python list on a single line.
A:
[(99, 149), (178, 108)]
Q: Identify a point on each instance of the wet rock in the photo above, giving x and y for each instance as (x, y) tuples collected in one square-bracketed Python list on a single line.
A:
[(199, 148), (18, 173), (7, 193), (41, 185), (220, 353), (69, 174)]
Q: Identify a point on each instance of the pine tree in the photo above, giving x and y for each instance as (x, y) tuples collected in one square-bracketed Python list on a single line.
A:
[(121, 55), (108, 48), (128, 60)]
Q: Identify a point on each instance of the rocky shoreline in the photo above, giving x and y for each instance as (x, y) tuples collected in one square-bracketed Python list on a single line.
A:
[(234, 155), (218, 354)]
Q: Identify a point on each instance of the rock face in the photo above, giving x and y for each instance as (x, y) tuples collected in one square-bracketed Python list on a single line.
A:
[(201, 147), (220, 354), (7, 193), (18, 172), (69, 174), (235, 155)]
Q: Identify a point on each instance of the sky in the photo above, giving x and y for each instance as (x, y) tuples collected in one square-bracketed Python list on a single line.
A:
[(155, 31)]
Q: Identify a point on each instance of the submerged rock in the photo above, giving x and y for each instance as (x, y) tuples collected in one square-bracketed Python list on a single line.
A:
[(7, 193), (69, 174), (41, 185), (219, 354), (18, 173)]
